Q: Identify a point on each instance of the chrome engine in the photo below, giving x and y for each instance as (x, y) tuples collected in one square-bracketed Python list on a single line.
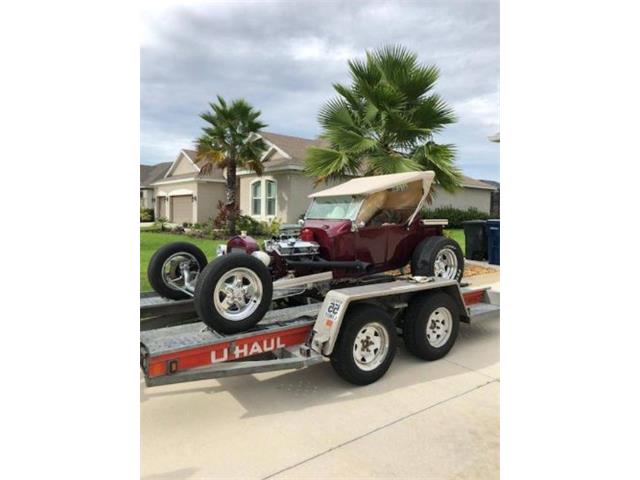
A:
[(288, 244), (291, 247)]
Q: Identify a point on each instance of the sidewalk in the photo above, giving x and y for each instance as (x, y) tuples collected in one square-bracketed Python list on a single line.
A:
[(422, 420)]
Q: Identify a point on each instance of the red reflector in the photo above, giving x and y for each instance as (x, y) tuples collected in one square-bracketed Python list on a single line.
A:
[(306, 235)]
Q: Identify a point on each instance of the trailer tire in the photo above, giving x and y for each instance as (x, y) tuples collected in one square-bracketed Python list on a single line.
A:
[(219, 282), (438, 257), (364, 323), (431, 325), (158, 277)]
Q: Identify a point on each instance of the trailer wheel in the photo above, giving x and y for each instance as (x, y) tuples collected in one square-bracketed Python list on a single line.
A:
[(438, 257), (233, 293), (431, 325), (366, 345), (168, 266)]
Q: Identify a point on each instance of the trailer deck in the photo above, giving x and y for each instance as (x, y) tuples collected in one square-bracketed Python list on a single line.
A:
[(175, 346)]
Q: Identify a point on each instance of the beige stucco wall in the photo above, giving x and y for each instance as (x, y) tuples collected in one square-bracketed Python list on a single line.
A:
[(294, 188), (208, 195), (283, 182), (183, 166), (463, 198), (293, 191), (176, 189)]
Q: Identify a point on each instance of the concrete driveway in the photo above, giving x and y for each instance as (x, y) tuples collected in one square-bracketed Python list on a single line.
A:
[(421, 420)]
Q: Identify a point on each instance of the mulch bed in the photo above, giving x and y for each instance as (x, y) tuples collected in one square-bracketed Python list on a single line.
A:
[(469, 270), (473, 270)]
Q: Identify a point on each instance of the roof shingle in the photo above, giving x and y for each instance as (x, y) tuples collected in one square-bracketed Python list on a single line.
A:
[(151, 173)]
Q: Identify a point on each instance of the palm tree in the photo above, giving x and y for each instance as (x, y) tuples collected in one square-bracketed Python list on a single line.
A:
[(231, 140), (385, 122)]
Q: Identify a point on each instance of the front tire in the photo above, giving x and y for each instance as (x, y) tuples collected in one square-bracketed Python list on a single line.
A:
[(233, 293), (438, 257), (366, 345), (165, 271), (431, 325)]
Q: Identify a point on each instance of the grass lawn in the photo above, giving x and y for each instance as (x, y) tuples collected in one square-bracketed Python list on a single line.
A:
[(151, 241), (457, 234)]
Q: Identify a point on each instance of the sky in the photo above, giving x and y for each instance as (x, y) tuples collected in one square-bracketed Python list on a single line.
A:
[(284, 56)]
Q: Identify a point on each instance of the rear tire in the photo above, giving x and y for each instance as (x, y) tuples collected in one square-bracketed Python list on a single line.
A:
[(438, 257), (366, 345), (233, 293), (431, 325), (155, 272)]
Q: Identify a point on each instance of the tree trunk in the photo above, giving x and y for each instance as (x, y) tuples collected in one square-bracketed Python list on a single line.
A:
[(231, 197)]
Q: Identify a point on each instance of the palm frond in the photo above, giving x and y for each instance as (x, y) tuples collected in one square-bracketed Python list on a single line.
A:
[(328, 163), (420, 82), (384, 163), (364, 72), (433, 113), (440, 159), (350, 140), (349, 96), (335, 113)]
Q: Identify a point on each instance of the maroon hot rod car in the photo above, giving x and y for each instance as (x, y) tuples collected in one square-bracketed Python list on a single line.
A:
[(356, 230)]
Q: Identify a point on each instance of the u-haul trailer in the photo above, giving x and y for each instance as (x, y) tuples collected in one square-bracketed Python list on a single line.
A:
[(356, 328)]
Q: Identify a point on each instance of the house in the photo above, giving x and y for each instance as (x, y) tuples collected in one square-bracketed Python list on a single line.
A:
[(474, 193), (148, 174), (495, 198), (179, 193), (283, 188), (182, 195)]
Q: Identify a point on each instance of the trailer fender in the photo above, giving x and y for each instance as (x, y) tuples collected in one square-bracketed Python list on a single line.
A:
[(329, 320), (327, 326), (454, 292)]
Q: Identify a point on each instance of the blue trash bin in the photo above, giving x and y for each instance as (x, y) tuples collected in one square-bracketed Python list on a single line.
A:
[(493, 234)]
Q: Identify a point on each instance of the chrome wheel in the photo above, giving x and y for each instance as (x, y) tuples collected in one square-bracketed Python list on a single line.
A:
[(237, 294), (439, 327), (180, 272), (446, 264), (370, 346)]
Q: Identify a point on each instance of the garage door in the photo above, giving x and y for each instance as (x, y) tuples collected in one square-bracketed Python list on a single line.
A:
[(162, 206), (181, 209)]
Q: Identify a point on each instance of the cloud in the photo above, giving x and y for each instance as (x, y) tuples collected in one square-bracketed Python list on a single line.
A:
[(283, 57), (483, 109)]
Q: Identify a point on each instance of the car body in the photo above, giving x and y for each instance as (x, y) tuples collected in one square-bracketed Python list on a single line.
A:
[(364, 226)]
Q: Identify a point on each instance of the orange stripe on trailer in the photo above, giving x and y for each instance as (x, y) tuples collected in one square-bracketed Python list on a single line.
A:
[(474, 296), (228, 351)]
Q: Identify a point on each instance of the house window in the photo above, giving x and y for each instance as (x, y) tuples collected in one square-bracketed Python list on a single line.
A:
[(271, 197), (256, 200)]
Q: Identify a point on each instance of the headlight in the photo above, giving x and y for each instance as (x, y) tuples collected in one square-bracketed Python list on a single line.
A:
[(221, 250)]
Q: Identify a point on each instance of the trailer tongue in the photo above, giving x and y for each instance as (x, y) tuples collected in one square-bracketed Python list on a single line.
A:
[(176, 347)]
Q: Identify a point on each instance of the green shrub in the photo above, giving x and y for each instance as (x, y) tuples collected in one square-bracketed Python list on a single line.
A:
[(249, 225), (160, 221), (456, 216), (243, 222), (272, 227), (146, 214)]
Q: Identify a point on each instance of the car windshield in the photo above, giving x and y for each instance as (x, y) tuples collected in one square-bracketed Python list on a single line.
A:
[(334, 208)]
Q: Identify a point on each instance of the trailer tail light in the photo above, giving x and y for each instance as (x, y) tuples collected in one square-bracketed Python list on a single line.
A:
[(473, 297), (306, 235)]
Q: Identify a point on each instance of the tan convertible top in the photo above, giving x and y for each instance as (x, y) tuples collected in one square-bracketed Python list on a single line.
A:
[(378, 183)]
